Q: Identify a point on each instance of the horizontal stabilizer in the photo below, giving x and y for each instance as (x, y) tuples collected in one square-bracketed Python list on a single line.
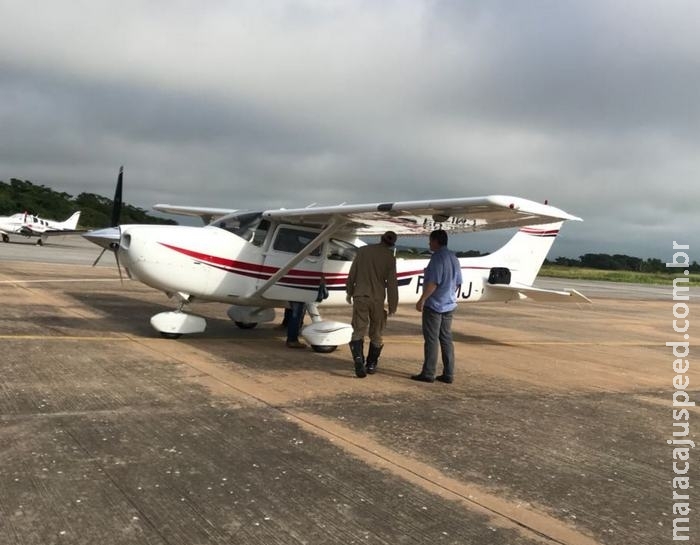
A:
[(542, 295)]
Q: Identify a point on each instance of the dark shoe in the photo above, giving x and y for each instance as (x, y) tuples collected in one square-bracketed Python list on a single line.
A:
[(422, 378), (445, 379), (295, 344), (373, 357), (358, 358)]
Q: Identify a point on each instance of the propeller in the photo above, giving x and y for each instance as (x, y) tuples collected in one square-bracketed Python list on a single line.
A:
[(107, 241)]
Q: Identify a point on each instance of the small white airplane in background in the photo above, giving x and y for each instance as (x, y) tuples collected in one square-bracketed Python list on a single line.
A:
[(30, 225), (257, 260)]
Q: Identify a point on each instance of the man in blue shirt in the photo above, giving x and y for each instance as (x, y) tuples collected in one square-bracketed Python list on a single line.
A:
[(441, 282)]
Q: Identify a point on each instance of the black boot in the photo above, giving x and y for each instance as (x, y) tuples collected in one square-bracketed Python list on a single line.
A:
[(373, 357), (357, 349)]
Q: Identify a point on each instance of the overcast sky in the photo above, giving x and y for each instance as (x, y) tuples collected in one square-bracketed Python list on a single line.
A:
[(593, 105)]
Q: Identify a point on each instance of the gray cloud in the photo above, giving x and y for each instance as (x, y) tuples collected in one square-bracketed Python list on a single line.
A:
[(591, 105)]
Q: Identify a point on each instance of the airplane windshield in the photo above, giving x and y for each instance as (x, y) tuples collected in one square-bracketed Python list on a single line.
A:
[(249, 226)]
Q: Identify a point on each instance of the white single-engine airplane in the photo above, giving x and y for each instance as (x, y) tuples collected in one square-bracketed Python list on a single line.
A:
[(257, 260), (30, 225)]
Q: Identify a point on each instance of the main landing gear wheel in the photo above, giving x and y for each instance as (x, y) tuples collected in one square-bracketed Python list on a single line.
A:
[(323, 348), (5, 238), (246, 325)]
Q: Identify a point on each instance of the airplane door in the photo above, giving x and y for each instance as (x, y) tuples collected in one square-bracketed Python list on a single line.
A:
[(301, 283)]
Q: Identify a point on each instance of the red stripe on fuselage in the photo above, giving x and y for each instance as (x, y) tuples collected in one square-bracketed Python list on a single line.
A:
[(300, 277)]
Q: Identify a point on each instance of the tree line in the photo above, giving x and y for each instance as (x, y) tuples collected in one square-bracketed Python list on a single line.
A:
[(607, 262), (96, 211), (619, 262)]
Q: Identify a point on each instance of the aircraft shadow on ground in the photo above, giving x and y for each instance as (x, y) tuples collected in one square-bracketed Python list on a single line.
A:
[(132, 315), (22, 242), (225, 341), (122, 314), (412, 329)]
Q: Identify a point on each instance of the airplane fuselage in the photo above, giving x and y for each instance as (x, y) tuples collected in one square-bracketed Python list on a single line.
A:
[(255, 260), (213, 264), (31, 225)]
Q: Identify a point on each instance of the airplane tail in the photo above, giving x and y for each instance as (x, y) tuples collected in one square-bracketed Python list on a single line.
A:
[(525, 252), (71, 223)]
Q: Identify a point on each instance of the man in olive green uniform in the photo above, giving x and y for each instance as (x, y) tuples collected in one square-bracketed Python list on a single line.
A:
[(372, 279)]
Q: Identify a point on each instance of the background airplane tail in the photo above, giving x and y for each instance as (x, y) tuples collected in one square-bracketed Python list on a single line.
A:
[(71, 223), (526, 251)]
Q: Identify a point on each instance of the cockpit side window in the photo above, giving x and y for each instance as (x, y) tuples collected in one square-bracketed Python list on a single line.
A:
[(340, 250), (294, 240)]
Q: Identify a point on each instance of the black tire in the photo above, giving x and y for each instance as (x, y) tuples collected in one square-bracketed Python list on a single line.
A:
[(166, 335), (246, 325), (323, 348)]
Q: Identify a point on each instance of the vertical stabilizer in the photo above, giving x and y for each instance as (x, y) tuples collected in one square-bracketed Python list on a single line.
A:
[(525, 252), (71, 223)]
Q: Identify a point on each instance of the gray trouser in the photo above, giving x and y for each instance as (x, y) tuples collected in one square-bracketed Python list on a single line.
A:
[(437, 331)]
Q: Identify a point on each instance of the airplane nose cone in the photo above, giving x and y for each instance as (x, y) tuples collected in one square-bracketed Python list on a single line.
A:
[(106, 238)]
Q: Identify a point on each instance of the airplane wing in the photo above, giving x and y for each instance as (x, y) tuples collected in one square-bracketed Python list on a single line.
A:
[(421, 217), (542, 295), (207, 214)]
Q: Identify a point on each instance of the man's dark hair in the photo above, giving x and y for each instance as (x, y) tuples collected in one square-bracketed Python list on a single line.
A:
[(439, 236)]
